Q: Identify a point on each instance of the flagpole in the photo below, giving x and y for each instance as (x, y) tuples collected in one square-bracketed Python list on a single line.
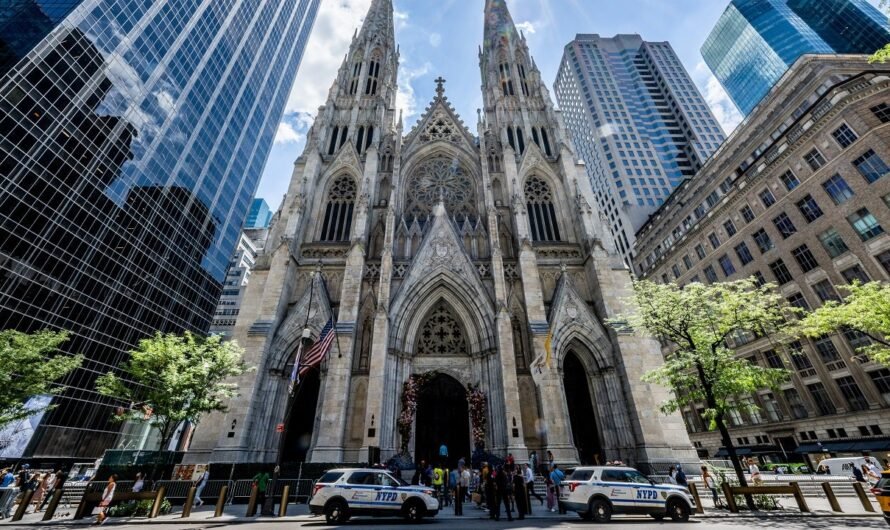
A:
[(333, 318)]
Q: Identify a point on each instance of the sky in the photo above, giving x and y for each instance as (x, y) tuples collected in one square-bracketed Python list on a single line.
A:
[(441, 37)]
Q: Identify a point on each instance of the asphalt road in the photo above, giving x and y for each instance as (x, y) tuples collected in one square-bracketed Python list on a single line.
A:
[(561, 523)]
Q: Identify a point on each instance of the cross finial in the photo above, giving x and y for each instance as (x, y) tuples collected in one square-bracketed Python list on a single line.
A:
[(440, 86)]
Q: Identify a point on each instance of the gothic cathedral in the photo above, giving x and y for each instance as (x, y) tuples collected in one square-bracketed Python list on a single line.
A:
[(449, 261)]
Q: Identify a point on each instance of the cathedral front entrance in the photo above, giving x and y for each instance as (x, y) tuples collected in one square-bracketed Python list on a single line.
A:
[(442, 418), (581, 412)]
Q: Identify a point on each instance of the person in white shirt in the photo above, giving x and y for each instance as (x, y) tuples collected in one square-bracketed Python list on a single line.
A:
[(460, 491), (139, 485), (200, 484), (529, 475), (755, 473)]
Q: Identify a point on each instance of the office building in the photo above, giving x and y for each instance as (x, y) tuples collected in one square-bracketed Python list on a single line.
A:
[(638, 122), (259, 215), (132, 139), (755, 41), (799, 196), (243, 261)]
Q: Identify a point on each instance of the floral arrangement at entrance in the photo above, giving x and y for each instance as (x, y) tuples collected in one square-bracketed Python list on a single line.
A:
[(410, 391), (477, 405)]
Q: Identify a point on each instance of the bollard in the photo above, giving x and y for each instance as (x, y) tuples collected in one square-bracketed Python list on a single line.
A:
[(251, 504), (23, 506), (798, 495), (159, 499), (863, 498), (282, 512), (694, 491), (53, 505), (189, 502), (221, 501), (730, 500), (832, 500)]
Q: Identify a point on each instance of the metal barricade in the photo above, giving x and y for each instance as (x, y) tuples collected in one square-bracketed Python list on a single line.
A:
[(177, 490)]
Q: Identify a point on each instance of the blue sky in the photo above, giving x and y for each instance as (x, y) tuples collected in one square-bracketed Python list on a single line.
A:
[(441, 37)]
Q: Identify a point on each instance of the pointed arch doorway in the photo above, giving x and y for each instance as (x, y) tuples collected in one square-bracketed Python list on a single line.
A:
[(442, 418), (298, 437), (582, 415)]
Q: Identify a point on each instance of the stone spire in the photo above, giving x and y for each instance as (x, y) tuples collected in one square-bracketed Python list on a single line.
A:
[(379, 22), (499, 26)]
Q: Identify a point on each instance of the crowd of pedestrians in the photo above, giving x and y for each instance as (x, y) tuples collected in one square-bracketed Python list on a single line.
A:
[(15, 486)]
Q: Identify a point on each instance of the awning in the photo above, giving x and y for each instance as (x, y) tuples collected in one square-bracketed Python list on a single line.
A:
[(827, 447), (740, 451), (750, 450), (872, 445)]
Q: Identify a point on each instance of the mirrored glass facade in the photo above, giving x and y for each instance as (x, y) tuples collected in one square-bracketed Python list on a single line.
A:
[(133, 134), (755, 41)]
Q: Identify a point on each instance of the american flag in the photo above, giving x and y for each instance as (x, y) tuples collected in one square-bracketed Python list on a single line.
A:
[(316, 353)]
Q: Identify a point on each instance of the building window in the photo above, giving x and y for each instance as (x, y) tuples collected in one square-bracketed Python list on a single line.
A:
[(809, 208), (338, 212), (767, 198), (714, 240), (852, 393), (747, 213), (541, 213), (743, 253), (838, 189), (805, 258), (833, 243), (726, 265), (825, 291), (759, 279), (784, 225), (865, 224), (729, 226), (676, 270), (856, 339), (764, 243), (773, 360), (823, 401), (373, 76), (881, 379), (797, 300), (871, 166), (881, 112), (780, 271), (855, 273), (814, 159), (844, 136), (828, 353), (800, 360), (771, 407), (884, 259), (798, 410), (789, 180), (710, 274), (687, 262), (700, 251)]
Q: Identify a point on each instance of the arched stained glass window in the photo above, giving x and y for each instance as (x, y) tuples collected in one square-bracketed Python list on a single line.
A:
[(338, 211), (541, 213)]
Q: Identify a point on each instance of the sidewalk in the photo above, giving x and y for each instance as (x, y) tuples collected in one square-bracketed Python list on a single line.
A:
[(235, 514)]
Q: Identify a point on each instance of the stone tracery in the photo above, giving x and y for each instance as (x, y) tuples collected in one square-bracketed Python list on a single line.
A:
[(436, 179), (441, 333)]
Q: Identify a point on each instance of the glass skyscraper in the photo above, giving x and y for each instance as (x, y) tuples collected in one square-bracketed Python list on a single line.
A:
[(638, 121), (755, 41), (259, 215), (133, 134)]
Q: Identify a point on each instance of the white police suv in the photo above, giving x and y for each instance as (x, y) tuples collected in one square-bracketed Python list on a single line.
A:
[(598, 492), (343, 493)]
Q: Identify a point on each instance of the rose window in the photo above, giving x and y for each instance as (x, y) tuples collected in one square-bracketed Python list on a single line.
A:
[(441, 334), (440, 179)]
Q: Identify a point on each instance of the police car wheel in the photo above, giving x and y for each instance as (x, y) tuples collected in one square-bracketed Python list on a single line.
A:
[(414, 510), (600, 510), (678, 511), (336, 512)]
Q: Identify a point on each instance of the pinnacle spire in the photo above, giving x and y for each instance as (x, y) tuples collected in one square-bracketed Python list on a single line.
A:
[(499, 26), (379, 20)]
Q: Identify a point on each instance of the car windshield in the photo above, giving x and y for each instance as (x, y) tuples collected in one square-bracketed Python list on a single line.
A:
[(398, 480), (636, 477)]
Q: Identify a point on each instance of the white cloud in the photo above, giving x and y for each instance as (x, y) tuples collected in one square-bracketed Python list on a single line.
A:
[(334, 26), (526, 27), (435, 40), (400, 18), (287, 134), (405, 98), (716, 97)]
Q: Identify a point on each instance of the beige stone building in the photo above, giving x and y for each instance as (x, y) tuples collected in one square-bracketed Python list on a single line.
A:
[(797, 196), (442, 252)]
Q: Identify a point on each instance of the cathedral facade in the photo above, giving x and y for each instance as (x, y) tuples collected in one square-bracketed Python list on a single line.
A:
[(449, 261)]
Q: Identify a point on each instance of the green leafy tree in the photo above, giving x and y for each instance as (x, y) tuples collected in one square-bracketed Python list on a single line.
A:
[(30, 364), (883, 54), (865, 309), (172, 378), (694, 322)]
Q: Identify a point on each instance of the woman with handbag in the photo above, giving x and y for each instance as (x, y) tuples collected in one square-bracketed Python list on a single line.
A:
[(107, 497)]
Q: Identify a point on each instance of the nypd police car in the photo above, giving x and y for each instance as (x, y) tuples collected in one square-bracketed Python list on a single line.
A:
[(343, 493), (598, 492)]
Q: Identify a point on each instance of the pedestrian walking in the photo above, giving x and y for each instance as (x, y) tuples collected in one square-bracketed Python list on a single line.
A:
[(443, 454), (107, 497), (550, 461), (533, 461), (711, 484), (200, 484), (557, 476), (439, 483), (261, 482), (857, 475), (755, 473), (548, 484), (490, 498), (529, 476), (8, 492), (460, 490), (672, 475), (139, 484), (520, 495), (503, 491), (417, 479), (870, 476), (681, 477), (40, 491)]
